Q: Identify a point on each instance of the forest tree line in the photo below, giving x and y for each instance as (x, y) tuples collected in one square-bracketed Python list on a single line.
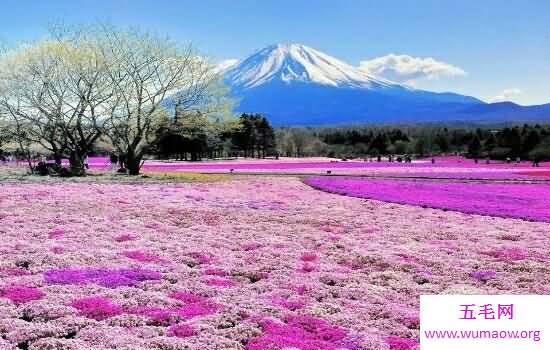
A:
[(524, 141)]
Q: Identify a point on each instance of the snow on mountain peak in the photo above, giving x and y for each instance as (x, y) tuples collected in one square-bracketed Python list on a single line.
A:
[(298, 63)]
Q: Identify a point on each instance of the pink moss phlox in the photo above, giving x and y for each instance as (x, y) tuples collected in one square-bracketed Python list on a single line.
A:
[(141, 256), (157, 315), (251, 246), (291, 304), (191, 310), (300, 289), (309, 257), (202, 258), (308, 267), (111, 278), (483, 276), (508, 254), (12, 271), (181, 331), (301, 332), (125, 237), (56, 233), (522, 201), (187, 297), (220, 282), (194, 305), (20, 294), (57, 250), (318, 327), (410, 321), (97, 308), (397, 343), (153, 225), (215, 271)]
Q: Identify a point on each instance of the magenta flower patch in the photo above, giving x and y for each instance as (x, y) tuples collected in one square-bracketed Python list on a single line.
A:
[(141, 256), (181, 331), (57, 249), (308, 267), (97, 308), (215, 271), (521, 201), (56, 233), (301, 332), (397, 343), (193, 306), (309, 257), (125, 237), (187, 297), (111, 278), (157, 315), (19, 294), (508, 254), (191, 310), (12, 271), (483, 276), (291, 304)]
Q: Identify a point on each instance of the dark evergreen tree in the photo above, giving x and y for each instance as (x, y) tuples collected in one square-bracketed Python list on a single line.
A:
[(474, 148)]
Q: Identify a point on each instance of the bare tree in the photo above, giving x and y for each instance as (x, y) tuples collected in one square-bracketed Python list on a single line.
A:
[(149, 74), (89, 82), (59, 87)]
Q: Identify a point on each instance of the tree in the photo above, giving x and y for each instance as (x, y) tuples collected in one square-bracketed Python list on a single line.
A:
[(253, 135), (420, 147), (474, 148), (379, 144), (266, 136), (442, 142), (146, 71), (286, 142), (90, 82), (300, 139), (540, 153), (531, 141), (58, 88), (490, 142)]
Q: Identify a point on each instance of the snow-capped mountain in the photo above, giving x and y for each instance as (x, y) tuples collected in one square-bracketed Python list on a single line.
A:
[(294, 84), (298, 63)]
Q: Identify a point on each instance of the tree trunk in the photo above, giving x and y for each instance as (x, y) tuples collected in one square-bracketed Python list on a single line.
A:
[(58, 158), (133, 168), (133, 163), (76, 164)]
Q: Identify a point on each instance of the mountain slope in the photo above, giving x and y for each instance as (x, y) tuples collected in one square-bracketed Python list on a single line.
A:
[(297, 63), (294, 84)]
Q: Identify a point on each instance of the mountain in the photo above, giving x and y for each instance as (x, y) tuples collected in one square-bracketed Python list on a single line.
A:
[(294, 84)]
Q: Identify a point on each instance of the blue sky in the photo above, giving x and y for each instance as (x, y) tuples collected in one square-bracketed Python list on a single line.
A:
[(502, 47)]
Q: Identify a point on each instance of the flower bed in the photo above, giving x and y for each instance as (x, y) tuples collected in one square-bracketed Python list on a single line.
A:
[(521, 201), (241, 265)]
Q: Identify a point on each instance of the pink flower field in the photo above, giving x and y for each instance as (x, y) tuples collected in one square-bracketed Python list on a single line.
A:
[(522, 201), (444, 167), (249, 263)]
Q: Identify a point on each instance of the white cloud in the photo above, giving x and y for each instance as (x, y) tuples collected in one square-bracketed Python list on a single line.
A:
[(226, 64), (507, 95), (408, 69)]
